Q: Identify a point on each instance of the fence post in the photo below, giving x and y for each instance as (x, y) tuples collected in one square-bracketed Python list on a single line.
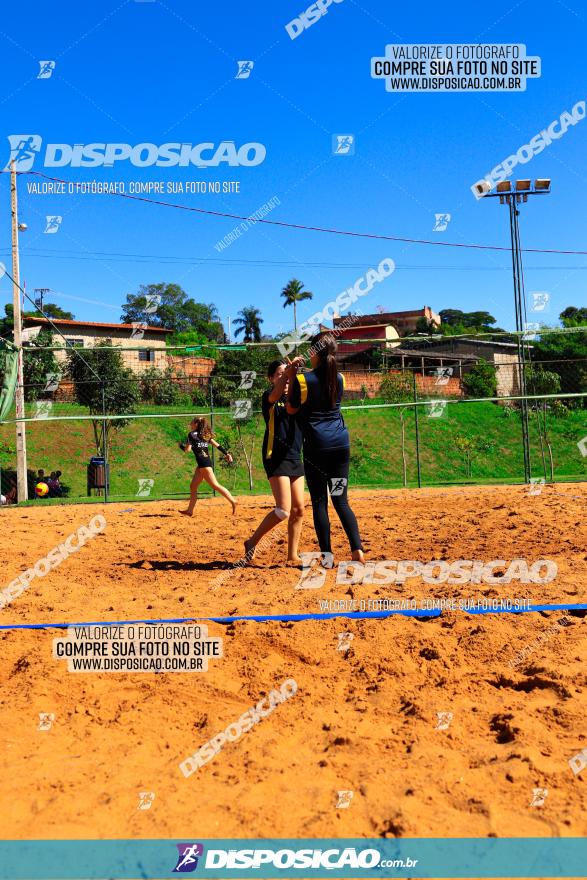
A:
[(417, 425), (105, 446), (212, 425)]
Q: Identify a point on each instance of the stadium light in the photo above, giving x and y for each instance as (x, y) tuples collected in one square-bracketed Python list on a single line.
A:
[(513, 198)]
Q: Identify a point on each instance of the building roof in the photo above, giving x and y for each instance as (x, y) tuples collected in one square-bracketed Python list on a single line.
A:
[(73, 324)]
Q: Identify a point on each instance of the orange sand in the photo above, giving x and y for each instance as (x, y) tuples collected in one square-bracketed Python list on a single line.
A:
[(364, 720)]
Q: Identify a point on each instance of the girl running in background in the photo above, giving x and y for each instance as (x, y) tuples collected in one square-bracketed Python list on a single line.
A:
[(282, 449), (198, 439), (315, 397)]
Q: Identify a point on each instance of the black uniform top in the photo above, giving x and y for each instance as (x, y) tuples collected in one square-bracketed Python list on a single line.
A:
[(322, 424), (200, 449), (283, 436)]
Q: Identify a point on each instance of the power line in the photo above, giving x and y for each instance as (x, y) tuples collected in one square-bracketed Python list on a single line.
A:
[(102, 256), (301, 226)]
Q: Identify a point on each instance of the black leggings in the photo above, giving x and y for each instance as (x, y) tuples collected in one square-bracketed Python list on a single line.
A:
[(329, 469)]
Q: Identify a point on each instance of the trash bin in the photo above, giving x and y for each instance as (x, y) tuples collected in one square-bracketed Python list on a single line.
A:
[(98, 474)]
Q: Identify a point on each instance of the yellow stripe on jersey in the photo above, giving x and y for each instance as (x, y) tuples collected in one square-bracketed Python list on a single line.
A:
[(303, 388), (271, 431), (343, 382)]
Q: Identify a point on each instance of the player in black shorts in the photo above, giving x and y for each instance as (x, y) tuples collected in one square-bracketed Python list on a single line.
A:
[(315, 397), (198, 439), (282, 448)]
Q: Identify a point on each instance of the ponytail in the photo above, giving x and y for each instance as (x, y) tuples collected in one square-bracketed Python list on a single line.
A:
[(325, 347)]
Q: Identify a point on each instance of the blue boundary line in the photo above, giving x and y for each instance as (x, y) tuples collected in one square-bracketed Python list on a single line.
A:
[(262, 618)]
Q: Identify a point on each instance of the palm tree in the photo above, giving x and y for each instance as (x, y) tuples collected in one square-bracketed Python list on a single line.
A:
[(293, 293), (249, 321)]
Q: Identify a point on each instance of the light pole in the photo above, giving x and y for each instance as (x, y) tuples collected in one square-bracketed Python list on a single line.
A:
[(21, 461), (513, 197)]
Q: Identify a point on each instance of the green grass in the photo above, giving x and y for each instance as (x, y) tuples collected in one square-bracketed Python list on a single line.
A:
[(147, 449)]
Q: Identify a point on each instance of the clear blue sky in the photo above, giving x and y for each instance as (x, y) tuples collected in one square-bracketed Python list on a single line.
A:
[(155, 72)]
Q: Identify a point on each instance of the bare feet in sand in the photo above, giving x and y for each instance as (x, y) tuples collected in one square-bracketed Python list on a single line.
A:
[(358, 556), (187, 512), (250, 549)]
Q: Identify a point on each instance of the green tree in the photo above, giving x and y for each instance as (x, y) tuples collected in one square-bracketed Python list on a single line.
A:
[(573, 317), (249, 322), (541, 381), (38, 365), (105, 386), (168, 305), (7, 322), (293, 293), (398, 388), (565, 354), (481, 380), (468, 449), (51, 310)]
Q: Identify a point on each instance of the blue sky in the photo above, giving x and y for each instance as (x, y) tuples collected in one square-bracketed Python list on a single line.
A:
[(156, 72)]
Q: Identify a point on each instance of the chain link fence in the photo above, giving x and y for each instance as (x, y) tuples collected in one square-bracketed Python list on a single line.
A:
[(415, 419)]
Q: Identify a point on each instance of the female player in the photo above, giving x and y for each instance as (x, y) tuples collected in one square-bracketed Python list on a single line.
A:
[(315, 397), (282, 448), (198, 439)]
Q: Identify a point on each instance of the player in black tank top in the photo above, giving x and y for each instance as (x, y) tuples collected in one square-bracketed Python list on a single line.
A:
[(197, 440), (282, 461), (315, 397)]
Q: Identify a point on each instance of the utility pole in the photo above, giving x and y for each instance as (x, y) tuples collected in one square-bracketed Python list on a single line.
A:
[(39, 300), (21, 462)]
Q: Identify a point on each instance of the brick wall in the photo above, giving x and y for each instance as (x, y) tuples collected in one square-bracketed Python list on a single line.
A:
[(354, 380)]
